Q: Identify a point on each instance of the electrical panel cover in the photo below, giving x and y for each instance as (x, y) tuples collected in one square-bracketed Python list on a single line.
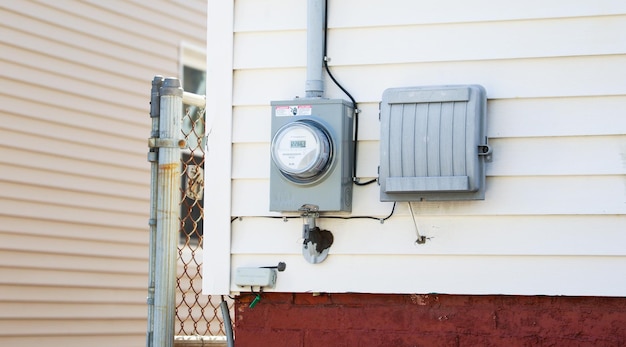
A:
[(433, 143)]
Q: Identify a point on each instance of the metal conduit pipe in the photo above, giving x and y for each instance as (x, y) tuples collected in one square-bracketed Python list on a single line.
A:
[(168, 200), (153, 157), (314, 86), (228, 327)]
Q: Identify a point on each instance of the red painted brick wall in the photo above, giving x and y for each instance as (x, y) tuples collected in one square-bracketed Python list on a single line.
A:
[(305, 320)]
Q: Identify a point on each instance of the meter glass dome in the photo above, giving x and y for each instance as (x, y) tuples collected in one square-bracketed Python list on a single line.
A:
[(302, 151)]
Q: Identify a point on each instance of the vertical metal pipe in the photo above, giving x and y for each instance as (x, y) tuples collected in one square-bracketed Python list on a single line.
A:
[(314, 86), (228, 327), (168, 201), (153, 157)]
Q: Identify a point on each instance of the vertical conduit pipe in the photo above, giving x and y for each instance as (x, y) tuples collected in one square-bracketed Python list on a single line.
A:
[(314, 86), (168, 200), (153, 157)]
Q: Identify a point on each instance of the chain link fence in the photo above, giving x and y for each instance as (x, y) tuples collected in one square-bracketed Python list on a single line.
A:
[(196, 314)]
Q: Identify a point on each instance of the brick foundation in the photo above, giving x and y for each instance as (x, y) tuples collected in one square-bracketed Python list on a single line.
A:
[(305, 320)]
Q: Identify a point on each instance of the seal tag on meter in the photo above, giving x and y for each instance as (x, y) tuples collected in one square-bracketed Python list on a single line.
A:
[(302, 151)]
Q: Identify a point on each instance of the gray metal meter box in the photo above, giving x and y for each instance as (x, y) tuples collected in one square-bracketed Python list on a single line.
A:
[(311, 154), (433, 143)]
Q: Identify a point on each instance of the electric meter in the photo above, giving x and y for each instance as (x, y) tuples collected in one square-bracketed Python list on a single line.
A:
[(311, 154), (302, 151)]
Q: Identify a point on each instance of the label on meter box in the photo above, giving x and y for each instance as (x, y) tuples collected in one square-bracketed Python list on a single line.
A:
[(296, 110)]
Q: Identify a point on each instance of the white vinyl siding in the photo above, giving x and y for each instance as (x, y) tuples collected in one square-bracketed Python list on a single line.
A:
[(75, 80), (553, 220)]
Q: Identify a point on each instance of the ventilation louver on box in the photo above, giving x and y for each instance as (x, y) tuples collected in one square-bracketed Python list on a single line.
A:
[(433, 143)]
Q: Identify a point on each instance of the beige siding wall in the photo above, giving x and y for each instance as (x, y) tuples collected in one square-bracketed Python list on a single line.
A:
[(555, 197), (74, 180)]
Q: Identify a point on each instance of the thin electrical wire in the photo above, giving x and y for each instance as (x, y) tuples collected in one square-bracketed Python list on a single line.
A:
[(355, 180), (393, 209)]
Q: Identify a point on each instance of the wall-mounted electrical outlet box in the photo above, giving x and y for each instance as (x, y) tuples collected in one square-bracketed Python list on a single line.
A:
[(311, 154), (255, 277), (433, 143)]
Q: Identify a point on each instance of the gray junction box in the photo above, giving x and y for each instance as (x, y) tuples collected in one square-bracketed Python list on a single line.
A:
[(433, 143), (311, 154)]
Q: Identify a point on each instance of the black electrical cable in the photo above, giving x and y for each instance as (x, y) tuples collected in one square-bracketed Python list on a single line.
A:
[(354, 104), (393, 208)]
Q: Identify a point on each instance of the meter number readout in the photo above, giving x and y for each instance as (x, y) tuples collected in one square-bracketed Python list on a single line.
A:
[(298, 144)]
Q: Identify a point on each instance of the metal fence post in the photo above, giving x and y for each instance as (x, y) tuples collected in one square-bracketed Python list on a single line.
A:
[(153, 158), (168, 200)]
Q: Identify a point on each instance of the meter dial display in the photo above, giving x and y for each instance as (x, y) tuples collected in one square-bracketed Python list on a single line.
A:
[(302, 151)]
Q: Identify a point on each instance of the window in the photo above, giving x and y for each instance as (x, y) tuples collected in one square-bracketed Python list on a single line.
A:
[(193, 77)]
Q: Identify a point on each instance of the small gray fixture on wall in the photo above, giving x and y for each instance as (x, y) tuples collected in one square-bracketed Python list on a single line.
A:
[(433, 143)]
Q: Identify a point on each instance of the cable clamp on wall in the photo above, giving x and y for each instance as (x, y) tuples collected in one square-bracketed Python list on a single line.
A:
[(485, 151)]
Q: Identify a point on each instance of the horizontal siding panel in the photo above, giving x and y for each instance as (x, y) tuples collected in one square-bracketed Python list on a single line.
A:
[(64, 327), (447, 235), (73, 166), (44, 277), (278, 84), (270, 49), (74, 149), (251, 15), (352, 13), (78, 231), (68, 181), (70, 85), (82, 28), (134, 31), (525, 195), (251, 160), (194, 5), (61, 294), (114, 65), (130, 87), (52, 103), (57, 26), (71, 214), (553, 77), (89, 103), (252, 124), (592, 115), (127, 130), (427, 43), (410, 274), (478, 41), (70, 133), (582, 155), (76, 199), (24, 310), (32, 251), (161, 15)]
